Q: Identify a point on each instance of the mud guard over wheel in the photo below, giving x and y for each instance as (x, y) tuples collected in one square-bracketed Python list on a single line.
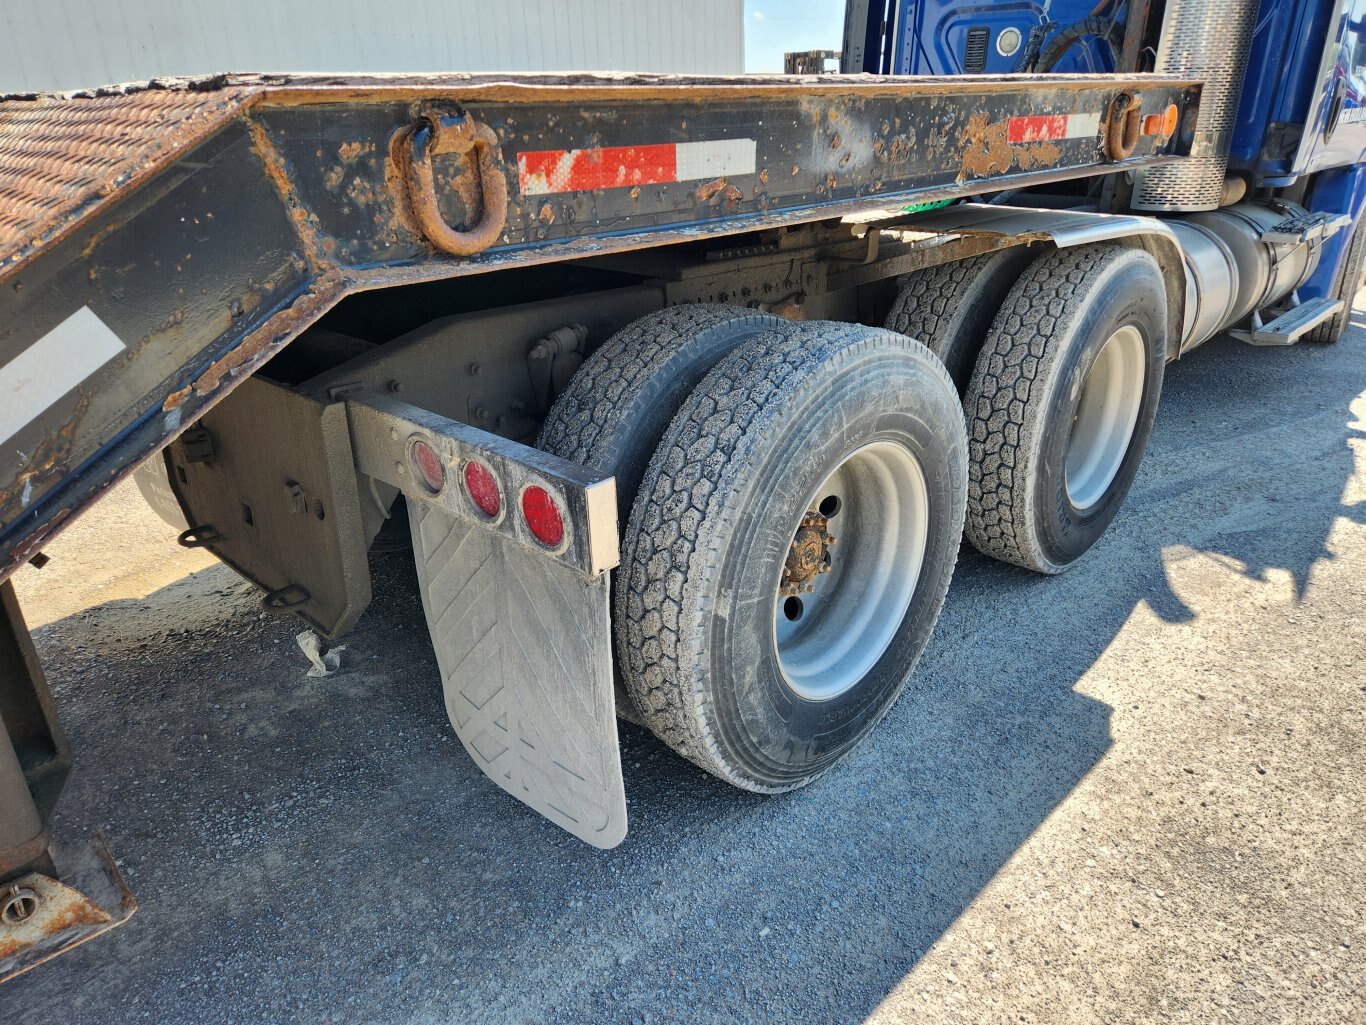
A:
[(518, 615), (525, 654)]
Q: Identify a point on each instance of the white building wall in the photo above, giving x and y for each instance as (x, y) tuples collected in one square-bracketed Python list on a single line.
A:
[(73, 44)]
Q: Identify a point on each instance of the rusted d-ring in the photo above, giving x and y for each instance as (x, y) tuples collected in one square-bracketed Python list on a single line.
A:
[(455, 133), (1123, 124)]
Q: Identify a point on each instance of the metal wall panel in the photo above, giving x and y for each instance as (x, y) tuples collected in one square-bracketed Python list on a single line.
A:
[(73, 44)]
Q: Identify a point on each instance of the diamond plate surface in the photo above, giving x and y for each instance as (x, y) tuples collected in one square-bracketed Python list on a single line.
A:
[(523, 645), (62, 158)]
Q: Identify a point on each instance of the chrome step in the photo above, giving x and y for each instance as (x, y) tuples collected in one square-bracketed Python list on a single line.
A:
[(1306, 227), (1291, 325)]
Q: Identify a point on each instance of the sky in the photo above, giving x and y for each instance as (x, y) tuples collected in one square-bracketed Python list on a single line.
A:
[(773, 27)]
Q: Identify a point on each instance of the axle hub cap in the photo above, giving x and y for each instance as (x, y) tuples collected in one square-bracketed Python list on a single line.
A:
[(808, 557), (833, 619)]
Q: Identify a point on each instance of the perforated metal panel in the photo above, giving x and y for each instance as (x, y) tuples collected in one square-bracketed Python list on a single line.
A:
[(1208, 41)]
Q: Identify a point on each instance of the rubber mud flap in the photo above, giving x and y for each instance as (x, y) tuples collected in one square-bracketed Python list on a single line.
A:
[(523, 643)]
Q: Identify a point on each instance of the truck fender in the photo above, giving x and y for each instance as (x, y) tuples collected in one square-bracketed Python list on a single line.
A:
[(1067, 228)]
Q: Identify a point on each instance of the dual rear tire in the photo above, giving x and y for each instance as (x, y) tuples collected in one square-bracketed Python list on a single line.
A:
[(797, 492), (1059, 358), (1061, 404), (789, 545)]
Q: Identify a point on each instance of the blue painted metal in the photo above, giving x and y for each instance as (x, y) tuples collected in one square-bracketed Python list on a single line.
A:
[(1340, 190), (1282, 76), (1318, 102), (1335, 122), (1303, 104), (932, 35)]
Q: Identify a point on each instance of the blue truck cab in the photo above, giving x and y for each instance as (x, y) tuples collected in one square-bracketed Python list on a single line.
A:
[(1300, 123)]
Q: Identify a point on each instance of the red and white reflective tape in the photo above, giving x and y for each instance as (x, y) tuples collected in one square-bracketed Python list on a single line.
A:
[(1052, 127), (544, 172)]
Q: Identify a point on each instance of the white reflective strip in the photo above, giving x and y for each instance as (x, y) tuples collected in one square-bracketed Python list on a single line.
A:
[(714, 159), (53, 365), (1079, 126)]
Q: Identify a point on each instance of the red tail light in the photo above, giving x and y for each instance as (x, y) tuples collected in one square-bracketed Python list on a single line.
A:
[(429, 466), (543, 516), (483, 489)]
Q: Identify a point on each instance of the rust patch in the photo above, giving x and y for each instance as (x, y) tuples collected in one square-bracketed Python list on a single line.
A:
[(262, 342), (63, 159), (310, 234), (349, 151), (1037, 154), (53, 451), (711, 188), (985, 150)]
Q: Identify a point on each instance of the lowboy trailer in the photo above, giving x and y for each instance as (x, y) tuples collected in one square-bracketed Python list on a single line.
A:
[(685, 390)]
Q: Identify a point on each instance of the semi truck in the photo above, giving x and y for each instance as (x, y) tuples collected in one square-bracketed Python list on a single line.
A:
[(684, 391)]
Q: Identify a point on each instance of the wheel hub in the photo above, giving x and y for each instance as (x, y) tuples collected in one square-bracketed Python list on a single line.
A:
[(834, 619), (809, 555), (1103, 424)]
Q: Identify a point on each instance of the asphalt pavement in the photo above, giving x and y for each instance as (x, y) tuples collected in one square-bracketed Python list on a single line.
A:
[(1133, 793)]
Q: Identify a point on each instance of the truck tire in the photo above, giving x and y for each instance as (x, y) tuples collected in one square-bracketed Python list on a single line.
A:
[(1345, 287), (1061, 404), (621, 400), (950, 307), (743, 654)]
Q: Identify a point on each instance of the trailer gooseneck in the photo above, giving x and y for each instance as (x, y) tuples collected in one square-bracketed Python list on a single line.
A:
[(685, 390)]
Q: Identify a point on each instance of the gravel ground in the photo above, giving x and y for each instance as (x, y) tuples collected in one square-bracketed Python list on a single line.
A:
[(1129, 794)]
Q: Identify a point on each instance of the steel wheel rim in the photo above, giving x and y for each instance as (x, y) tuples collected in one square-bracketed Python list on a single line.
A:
[(855, 608), (1103, 424)]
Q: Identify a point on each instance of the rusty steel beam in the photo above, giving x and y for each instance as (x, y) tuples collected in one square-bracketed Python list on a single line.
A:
[(159, 244)]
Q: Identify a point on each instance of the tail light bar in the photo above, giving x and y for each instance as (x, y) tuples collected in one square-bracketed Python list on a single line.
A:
[(542, 502)]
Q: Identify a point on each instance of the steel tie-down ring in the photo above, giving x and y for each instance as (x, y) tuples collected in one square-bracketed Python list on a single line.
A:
[(456, 133), (199, 536), (1123, 125)]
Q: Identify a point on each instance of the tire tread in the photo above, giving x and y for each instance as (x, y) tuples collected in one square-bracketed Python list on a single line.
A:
[(1001, 419), (681, 523)]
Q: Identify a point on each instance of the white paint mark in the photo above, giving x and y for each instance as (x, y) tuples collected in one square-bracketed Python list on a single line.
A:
[(53, 365)]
